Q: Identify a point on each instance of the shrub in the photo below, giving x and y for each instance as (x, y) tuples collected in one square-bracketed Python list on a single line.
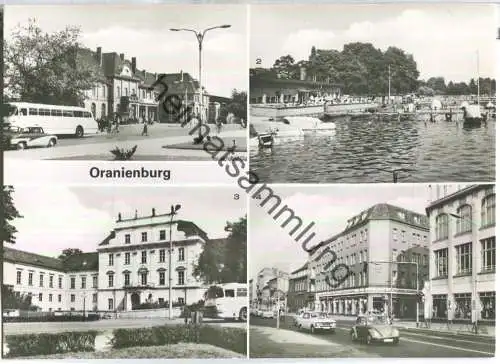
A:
[(50, 317), (122, 154), (46, 344), (234, 339), (230, 338)]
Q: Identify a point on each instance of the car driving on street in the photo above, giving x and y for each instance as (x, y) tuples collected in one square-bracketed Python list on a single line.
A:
[(315, 321), (30, 137), (374, 328)]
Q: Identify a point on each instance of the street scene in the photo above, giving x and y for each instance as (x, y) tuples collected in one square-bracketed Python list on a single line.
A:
[(124, 277), (82, 93), (406, 271), (364, 93)]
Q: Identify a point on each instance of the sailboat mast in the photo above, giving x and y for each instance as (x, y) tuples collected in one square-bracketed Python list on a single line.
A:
[(478, 78), (389, 84)]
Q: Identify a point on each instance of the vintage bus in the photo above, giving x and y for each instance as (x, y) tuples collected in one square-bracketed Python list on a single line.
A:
[(230, 300), (54, 119)]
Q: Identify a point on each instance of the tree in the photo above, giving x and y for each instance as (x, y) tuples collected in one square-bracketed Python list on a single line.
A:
[(224, 261), (238, 104), (286, 68), (47, 68), (10, 213), (69, 253), (15, 300)]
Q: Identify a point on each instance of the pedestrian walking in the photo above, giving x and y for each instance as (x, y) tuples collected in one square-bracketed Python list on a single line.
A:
[(145, 129)]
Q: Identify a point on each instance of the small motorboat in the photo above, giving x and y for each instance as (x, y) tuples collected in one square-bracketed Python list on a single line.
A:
[(473, 118)]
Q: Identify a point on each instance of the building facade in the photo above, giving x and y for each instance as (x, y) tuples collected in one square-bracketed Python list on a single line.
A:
[(370, 246), (463, 253), (129, 269), (298, 292)]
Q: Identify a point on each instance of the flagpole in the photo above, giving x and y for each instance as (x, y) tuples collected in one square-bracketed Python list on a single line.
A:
[(478, 78)]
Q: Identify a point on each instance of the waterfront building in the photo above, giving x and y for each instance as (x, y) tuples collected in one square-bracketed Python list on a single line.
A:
[(462, 259), (268, 89), (370, 246), (298, 292), (129, 269)]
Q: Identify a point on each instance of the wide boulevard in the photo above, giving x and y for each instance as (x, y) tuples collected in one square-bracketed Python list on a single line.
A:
[(413, 342)]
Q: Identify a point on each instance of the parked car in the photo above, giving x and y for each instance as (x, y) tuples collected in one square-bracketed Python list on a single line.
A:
[(315, 321), (29, 137), (372, 328), (267, 314)]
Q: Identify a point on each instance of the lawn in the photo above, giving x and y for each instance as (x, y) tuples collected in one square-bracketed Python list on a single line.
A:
[(175, 351), (241, 144)]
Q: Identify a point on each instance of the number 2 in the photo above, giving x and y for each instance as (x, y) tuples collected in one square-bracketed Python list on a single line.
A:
[(258, 61)]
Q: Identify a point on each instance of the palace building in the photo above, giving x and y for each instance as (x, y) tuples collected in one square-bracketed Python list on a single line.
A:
[(372, 245), (129, 268)]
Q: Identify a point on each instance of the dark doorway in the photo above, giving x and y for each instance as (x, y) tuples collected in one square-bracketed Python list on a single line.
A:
[(136, 300)]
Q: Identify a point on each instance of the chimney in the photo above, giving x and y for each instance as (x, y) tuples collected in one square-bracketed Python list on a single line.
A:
[(122, 56), (182, 76), (119, 217), (153, 212), (303, 73), (99, 55), (134, 64)]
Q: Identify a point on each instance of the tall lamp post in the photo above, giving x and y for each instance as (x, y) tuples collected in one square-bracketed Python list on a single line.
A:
[(200, 35), (391, 287), (173, 212)]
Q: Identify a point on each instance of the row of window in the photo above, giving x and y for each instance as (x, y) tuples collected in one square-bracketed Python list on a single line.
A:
[(144, 237), (19, 279), (144, 257), (355, 280), (53, 112), (161, 301), (464, 218), (401, 235), (462, 307), (143, 276), (132, 92), (464, 258), (83, 281)]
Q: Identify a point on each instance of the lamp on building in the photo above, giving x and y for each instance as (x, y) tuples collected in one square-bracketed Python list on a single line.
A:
[(200, 35), (173, 212)]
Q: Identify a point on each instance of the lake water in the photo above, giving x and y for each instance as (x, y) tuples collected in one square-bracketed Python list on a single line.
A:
[(433, 152)]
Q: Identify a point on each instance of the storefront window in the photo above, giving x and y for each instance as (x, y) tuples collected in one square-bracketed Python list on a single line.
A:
[(439, 306), (487, 305), (463, 306)]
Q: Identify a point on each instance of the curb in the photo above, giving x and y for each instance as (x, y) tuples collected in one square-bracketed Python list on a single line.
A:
[(449, 332)]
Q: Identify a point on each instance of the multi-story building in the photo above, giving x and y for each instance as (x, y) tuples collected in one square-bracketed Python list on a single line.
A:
[(298, 289), (369, 246), (130, 267), (279, 285), (462, 258)]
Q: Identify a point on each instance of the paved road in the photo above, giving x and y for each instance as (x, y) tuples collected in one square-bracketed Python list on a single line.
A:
[(13, 328), (412, 344)]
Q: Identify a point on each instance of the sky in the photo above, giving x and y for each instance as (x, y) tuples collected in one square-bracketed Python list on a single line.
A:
[(142, 31), (443, 38), (329, 207), (60, 217)]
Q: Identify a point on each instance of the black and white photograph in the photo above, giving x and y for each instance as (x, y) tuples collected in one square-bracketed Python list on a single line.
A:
[(108, 272), (125, 82), (364, 93), (352, 271)]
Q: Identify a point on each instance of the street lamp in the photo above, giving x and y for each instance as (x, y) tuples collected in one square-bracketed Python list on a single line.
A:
[(173, 212), (200, 35), (390, 289)]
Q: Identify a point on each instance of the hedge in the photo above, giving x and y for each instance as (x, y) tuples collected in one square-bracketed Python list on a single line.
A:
[(52, 318), (234, 339), (46, 344)]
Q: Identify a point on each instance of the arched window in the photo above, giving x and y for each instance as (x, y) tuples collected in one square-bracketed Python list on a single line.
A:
[(93, 109), (118, 91), (441, 227), (103, 110), (464, 221), (104, 91), (488, 210)]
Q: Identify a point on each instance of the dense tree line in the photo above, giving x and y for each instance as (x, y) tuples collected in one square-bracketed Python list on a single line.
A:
[(362, 69)]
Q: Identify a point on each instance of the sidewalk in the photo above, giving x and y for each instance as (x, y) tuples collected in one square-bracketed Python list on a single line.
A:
[(270, 342)]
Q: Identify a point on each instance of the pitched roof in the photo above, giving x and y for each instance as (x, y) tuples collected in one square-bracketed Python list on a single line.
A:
[(36, 260), (80, 262), (180, 83)]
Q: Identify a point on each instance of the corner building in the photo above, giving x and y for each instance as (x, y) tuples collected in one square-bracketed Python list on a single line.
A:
[(372, 246), (463, 253)]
